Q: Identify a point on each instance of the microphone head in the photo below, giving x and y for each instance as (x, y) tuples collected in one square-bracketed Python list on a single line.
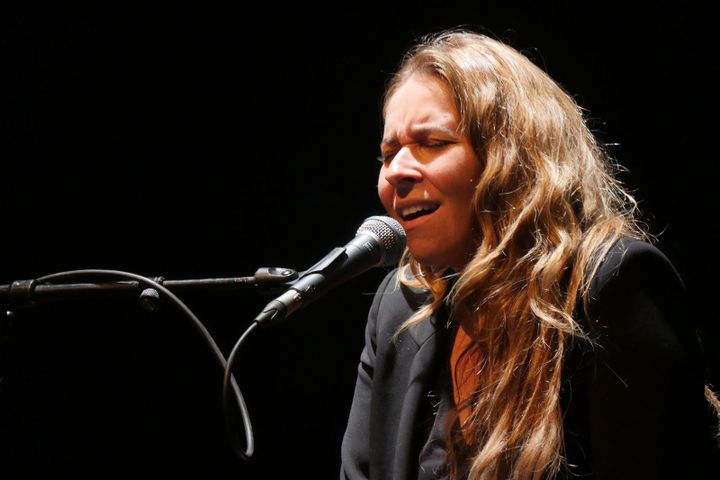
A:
[(390, 235)]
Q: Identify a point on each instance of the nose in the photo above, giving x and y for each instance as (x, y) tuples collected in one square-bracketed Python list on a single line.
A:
[(403, 171)]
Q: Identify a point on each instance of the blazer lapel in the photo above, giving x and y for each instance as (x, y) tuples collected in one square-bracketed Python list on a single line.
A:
[(422, 379)]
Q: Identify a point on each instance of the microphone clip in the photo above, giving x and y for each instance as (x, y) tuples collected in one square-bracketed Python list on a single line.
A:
[(273, 275)]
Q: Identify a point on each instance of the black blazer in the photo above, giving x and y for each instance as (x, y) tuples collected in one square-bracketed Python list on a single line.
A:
[(634, 404)]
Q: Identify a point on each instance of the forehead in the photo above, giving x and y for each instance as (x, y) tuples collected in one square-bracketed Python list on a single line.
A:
[(421, 99)]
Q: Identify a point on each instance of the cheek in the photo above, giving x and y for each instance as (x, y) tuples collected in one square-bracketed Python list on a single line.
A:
[(465, 179)]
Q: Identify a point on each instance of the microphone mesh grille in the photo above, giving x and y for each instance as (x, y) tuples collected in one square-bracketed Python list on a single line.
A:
[(391, 236)]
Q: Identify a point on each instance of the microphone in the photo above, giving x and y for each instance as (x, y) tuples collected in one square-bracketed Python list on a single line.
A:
[(379, 242)]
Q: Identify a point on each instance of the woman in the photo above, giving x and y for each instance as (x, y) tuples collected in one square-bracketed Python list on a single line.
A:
[(531, 330)]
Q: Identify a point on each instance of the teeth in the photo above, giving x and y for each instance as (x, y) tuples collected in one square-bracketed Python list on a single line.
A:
[(410, 210), (407, 211)]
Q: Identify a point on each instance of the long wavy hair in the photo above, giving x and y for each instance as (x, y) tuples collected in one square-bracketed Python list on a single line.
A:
[(547, 208)]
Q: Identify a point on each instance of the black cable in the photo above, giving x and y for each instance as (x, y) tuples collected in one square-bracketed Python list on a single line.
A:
[(226, 398), (246, 453)]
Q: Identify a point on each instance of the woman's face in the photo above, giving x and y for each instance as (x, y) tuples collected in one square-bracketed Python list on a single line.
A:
[(429, 172)]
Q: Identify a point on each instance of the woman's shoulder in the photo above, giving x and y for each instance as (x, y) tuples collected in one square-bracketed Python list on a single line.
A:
[(636, 298), (641, 379), (395, 302), (392, 286), (632, 264)]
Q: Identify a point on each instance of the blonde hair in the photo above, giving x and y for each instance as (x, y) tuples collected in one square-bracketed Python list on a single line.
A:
[(547, 208)]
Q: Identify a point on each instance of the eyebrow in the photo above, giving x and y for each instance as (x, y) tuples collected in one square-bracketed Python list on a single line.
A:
[(419, 131)]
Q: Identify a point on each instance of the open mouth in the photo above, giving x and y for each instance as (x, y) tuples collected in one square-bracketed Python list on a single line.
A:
[(417, 211)]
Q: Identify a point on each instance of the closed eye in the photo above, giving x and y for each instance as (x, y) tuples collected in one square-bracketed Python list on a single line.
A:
[(436, 144), (430, 144), (386, 156)]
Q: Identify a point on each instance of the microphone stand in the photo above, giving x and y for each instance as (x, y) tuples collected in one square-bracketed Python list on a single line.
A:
[(27, 293), (30, 292)]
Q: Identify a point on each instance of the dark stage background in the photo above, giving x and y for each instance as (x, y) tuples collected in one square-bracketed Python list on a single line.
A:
[(166, 138)]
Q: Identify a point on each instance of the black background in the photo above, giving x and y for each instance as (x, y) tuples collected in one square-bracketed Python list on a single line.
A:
[(188, 141)]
